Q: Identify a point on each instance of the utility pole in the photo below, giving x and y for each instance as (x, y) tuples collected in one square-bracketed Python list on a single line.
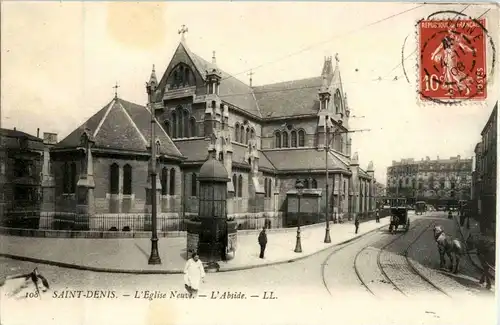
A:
[(328, 142)]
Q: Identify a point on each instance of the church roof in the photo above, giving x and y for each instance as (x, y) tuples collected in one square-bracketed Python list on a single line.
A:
[(303, 159), (122, 125), (289, 98), (193, 149)]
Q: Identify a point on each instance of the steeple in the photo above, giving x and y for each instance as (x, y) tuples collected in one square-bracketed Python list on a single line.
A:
[(214, 76), (183, 31), (152, 78), (327, 67)]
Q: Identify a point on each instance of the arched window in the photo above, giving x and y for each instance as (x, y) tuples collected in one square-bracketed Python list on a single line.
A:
[(285, 139), (400, 182), (221, 156), (174, 125), (194, 187), (240, 186), (74, 178), (114, 174), (243, 138), (277, 140), (237, 132), (127, 179), (164, 181), (235, 185), (192, 127), (306, 183), (314, 184), (345, 187), (66, 178), (247, 138), (172, 181), (158, 147), (185, 125), (167, 128), (337, 100), (294, 139), (252, 133), (302, 136), (180, 117)]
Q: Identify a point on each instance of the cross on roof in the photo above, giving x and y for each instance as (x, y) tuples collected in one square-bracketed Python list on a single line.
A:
[(250, 74), (116, 89), (182, 31)]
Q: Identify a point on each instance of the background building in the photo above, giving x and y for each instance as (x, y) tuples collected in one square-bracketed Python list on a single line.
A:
[(440, 182), (20, 176), (485, 174)]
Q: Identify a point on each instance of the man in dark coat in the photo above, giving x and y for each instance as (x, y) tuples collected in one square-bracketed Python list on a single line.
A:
[(356, 224), (377, 216), (262, 242)]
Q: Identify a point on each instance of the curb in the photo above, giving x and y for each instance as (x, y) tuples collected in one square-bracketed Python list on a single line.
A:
[(175, 271)]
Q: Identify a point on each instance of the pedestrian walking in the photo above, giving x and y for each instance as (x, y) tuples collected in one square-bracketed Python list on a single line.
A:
[(377, 216), (194, 273), (262, 242), (356, 224)]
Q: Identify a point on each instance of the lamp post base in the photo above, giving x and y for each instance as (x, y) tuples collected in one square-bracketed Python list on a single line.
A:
[(154, 258), (298, 244), (327, 240)]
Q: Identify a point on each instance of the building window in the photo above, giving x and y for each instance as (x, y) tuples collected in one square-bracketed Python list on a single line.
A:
[(167, 128), (114, 174), (158, 147), (164, 180), (345, 187), (285, 139), (314, 184), (237, 132), (192, 127), (221, 156), (235, 185), (302, 135), (247, 138), (277, 140), (172, 181), (127, 179), (252, 133), (306, 183), (174, 125), (185, 124), (240, 186), (294, 139), (242, 131), (194, 182)]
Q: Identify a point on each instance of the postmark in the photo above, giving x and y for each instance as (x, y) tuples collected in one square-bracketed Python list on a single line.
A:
[(452, 59)]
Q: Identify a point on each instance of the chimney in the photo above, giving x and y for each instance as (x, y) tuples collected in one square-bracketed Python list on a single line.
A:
[(37, 132)]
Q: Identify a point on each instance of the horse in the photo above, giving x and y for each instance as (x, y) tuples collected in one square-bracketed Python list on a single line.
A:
[(34, 282), (485, 250), (394, 224), (450, 246)]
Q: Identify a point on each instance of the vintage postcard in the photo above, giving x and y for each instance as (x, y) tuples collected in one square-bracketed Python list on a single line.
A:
[(248, 162)]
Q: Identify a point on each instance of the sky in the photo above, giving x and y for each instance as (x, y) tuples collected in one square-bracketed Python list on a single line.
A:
[(60, 61)]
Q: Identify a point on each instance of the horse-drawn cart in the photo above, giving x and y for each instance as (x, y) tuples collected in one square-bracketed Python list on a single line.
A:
[(399, 217)]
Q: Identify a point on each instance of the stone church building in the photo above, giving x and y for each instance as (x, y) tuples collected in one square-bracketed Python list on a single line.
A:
[(266, 136)]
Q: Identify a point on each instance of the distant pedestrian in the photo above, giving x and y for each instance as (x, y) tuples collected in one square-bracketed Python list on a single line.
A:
[(356, 224), (262, 242), (377, 216), (194, 273)]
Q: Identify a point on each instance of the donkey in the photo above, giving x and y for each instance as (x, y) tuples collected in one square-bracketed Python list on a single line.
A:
[(24, 281), (449, 246), (485, 250)]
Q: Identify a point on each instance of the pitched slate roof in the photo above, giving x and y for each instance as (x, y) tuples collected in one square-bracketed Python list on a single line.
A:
[(193, 149), (289, 98), (303, 158), (122, 125)]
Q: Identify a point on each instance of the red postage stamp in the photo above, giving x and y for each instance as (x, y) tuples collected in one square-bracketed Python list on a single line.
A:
[(452, 60)]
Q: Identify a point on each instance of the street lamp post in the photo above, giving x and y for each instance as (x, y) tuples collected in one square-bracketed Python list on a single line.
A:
[(327, 214), (154, 258), (298, 245)]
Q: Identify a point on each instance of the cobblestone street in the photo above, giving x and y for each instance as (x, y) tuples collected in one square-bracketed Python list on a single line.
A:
[(372, 268)]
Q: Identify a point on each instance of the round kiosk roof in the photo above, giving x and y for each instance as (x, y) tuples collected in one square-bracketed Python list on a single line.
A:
[(213, 170)]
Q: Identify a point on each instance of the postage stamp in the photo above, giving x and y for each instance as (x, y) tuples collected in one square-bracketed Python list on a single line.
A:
[(452, 60)]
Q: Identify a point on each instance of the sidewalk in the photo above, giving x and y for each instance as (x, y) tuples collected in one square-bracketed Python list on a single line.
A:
[(130, 255), (474, 230)]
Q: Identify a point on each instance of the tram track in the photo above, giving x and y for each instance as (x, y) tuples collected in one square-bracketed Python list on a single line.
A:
[(409, 264)]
